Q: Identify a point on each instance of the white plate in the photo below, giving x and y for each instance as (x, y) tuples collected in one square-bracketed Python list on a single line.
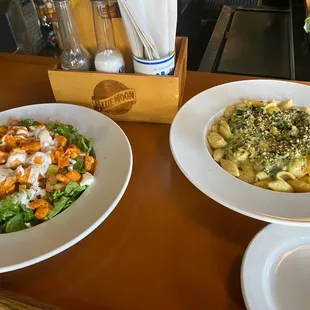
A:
[(188, 145), (113, 151), (276, 269)]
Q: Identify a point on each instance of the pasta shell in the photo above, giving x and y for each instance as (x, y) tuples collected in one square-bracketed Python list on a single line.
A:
[(271, 104), (262, 175), (307, 110), (214, 128), (241, 105), (308, 166), (272, 109), (221, 120), (229, 111), (230, 167), (241, 155), (247, 174), (263, 183), (284, 175), (248, 167), (216, 140), (247, 177), (304, 179), (218, 154), (297, 168), (225, 131), (223, 123), (281, 186), (299, 186), (252, 102), (287, 104)]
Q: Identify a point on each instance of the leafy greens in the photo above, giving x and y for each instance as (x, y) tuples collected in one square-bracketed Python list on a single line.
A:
[(72, 135), (28, 122), (13, 216), (79, 165), (63, 199)]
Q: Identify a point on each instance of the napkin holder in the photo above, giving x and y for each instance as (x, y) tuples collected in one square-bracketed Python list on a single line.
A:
[(123, 97)]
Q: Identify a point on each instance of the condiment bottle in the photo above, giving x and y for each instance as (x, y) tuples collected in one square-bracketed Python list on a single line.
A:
[(74, 56), (108, 57)]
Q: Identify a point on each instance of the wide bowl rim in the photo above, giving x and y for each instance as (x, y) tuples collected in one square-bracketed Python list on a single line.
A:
[(175, 136)]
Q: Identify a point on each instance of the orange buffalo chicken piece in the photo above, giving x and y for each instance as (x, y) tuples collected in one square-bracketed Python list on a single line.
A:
[(3, 130), (9, 142), (61, 141), (73, 176), (39, 203), (62, 178), (31, 146), (59, 158), (89, 163), (7, 187), (42, 208), (73, 151), (42, 212), (3, 157), (25, 177)]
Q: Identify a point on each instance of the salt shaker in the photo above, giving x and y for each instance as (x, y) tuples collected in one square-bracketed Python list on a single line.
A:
[(74, 56), (108, 58)]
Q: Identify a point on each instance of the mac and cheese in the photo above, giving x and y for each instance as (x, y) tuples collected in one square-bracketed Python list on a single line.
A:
[(266, 144)]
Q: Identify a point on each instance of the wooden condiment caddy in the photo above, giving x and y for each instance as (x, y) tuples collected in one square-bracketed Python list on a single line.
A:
[(124, 97)]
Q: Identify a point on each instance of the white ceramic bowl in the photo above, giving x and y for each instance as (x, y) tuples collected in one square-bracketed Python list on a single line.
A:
[(113, 151), (188, 145)]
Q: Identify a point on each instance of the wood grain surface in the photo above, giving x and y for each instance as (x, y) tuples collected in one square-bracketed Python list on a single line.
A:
[(165, 246), (11, 301)]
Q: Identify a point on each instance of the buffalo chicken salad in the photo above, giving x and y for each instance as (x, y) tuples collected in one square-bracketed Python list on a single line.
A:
[(44, 168)]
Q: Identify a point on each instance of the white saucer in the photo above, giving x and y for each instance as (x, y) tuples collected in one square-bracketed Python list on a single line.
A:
[(275, 271)]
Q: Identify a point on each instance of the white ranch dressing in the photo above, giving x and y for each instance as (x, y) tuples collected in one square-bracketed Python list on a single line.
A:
[(5, 172), (72, 163), (24, 196), (19, 155), (45, 158), (47, 144)]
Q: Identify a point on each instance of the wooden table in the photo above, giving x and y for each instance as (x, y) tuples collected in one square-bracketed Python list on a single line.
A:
[(166, 245)]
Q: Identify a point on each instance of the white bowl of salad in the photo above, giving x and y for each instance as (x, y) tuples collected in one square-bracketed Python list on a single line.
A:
[(63, 169)]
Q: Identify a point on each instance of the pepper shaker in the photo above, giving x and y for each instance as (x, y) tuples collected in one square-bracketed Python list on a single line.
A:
[(74, 56)]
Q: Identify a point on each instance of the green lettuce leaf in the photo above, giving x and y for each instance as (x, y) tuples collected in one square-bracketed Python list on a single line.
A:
[(13, 216), (62, 129), (64, 199), (61, 204), (16, 223), (73, 189), (72, 135), (57, 195), (28, 122), (8, 209), (85, 144), (79, 165), (27, 213)]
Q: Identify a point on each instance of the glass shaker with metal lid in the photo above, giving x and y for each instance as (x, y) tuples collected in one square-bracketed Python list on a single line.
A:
[(108, 57), (74, 56)]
